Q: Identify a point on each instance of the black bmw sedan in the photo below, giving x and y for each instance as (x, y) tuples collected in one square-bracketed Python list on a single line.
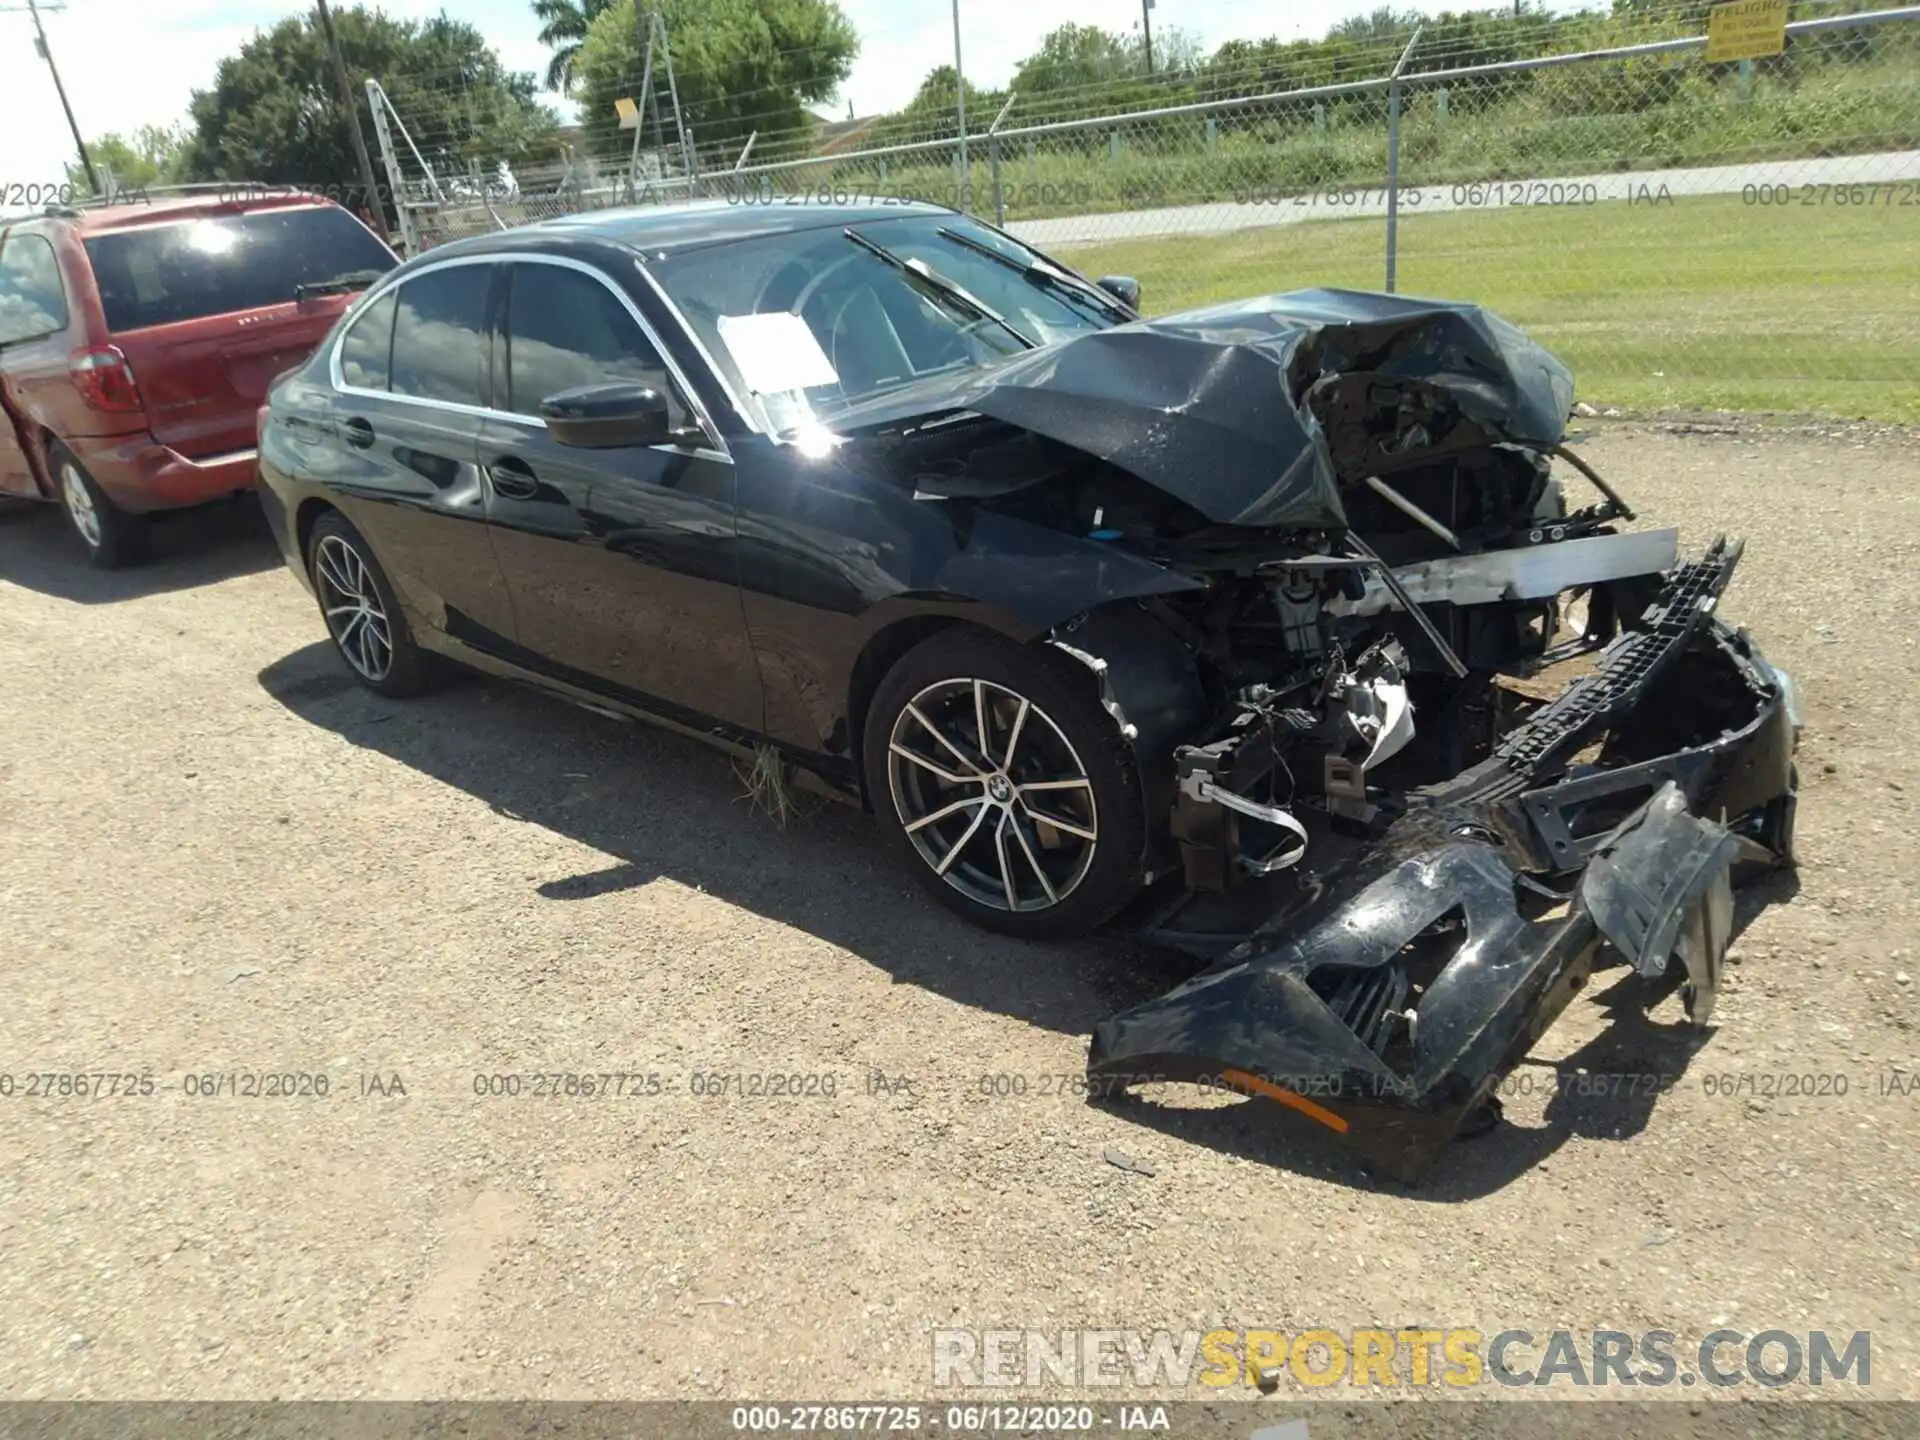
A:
[(1277, 607), (1071, 599)]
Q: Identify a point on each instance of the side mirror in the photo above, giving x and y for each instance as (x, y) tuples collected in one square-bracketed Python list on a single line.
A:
[(1123, 288), (608, 417)]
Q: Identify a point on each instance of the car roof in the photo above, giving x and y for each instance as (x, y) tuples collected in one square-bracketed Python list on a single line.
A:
[(692, 224), (161, 210)]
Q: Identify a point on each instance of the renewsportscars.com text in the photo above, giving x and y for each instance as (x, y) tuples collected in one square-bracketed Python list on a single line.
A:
[(1461, 1358)]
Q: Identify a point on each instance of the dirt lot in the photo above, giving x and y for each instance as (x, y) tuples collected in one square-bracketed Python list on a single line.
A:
[(222, 856)]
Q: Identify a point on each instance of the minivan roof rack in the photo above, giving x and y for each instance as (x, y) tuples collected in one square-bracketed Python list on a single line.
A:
[(213, 189)]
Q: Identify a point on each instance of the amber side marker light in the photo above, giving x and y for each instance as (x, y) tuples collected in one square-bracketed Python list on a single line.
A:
[(1254, 1085)]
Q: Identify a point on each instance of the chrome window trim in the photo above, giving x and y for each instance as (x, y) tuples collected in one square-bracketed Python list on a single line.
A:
[(715, 449), (754, 419), (336, 375)]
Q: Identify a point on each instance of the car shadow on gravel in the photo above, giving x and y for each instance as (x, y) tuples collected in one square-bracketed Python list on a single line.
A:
[(1607, 1089), (669, 807), (188, 549)]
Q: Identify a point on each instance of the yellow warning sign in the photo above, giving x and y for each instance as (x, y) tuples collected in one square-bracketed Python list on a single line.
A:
[(1746, 29), (629, 112)]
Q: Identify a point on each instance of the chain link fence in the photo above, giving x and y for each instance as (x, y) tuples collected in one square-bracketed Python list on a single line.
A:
[(1688, 235)]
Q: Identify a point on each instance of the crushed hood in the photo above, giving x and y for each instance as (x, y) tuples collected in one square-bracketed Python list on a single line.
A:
[(1222, 407)]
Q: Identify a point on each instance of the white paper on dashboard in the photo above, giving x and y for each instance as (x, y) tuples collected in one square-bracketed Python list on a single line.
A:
[(776, 352)]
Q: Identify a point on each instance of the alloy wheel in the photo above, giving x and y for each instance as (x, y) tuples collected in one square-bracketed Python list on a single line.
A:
[(355, 617), (79, 503), (992, 795)]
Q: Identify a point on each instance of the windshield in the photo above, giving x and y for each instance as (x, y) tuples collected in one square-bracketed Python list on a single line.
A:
[(215, 265), (892, 302)]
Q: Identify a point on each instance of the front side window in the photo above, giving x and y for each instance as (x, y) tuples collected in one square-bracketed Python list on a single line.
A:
[(878, 298), (366, 350), (565, 330), (33, 302), (440, 336)]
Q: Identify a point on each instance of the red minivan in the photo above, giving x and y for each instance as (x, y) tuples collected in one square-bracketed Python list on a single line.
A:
[(137, 341)]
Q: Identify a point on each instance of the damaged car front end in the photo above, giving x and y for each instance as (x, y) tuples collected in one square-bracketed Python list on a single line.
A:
[(1427, 743), (1291, 631), (1405, 978)]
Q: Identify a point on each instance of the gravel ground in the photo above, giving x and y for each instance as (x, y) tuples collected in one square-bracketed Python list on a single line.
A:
[(222, 856)]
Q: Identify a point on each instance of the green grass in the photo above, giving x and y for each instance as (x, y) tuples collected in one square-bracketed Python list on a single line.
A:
[(1645, 115), (1704, 304)]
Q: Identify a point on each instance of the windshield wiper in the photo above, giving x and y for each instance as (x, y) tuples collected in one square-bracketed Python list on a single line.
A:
[(935, 287), (358, 280), (1045, 277)]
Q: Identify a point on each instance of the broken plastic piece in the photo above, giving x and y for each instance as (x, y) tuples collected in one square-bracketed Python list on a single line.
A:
[(1536, 572), (1659, 888)]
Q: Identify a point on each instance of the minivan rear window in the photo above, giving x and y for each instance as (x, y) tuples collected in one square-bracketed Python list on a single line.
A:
[(215, 265)]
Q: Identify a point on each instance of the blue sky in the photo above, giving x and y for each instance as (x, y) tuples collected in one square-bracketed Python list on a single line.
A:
[(132, 62)]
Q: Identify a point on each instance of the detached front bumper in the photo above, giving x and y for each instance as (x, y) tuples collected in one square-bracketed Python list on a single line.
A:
[(1387, 1003)]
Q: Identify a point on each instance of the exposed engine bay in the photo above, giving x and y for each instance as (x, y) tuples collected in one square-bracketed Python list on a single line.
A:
[(1339, 663), (1460, 730), (1340, 672)]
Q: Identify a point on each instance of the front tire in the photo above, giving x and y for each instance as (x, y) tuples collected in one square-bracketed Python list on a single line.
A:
[(1009, 789), (361, 611), (110, 536)]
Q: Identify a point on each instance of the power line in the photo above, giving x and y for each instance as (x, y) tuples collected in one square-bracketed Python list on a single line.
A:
[(46, 54), (345, 85)]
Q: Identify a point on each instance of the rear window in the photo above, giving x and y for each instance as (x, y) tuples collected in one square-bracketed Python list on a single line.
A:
[(216, 265)]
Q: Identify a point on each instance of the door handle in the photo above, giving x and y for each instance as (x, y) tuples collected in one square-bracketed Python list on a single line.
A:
[(513, 479), (359, 432)]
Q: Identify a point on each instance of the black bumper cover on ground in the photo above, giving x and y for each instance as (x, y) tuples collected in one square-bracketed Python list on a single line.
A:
[(1313, 1011)]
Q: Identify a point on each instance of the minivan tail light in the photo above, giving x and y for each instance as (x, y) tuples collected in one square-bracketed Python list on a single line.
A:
[(104, 378)]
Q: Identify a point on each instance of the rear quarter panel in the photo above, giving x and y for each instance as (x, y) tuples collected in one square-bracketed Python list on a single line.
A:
[(40, 390)]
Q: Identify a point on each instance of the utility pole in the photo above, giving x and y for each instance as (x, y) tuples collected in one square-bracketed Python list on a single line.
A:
[(643, 32), (1146, 31), (965, 196), (344, 83), (46, 54)]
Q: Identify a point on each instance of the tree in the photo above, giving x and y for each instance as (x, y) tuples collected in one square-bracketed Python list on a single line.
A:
[(1082, 70), (1074, 57), (933, 113), (741, 65), (1385, 27), (1177, 51), (1690, 16), (273, 114), (563, 27), (152, 155)]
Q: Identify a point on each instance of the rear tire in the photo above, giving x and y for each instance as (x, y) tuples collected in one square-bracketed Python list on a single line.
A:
[(361, 612), (1034, 830), (110, 537)]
